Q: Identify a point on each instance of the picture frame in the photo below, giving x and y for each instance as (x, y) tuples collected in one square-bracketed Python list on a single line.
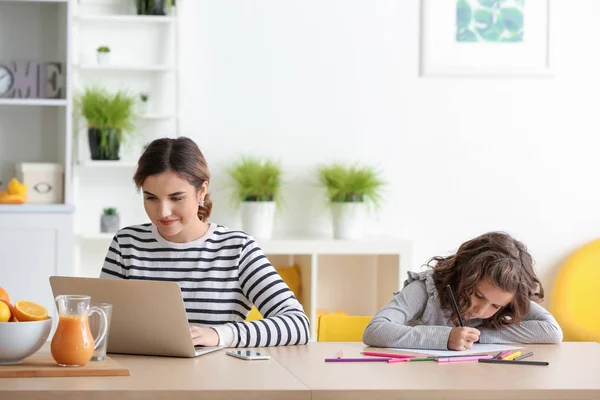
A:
[(457, 40)]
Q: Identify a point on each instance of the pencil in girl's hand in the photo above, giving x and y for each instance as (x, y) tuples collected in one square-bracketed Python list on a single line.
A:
[(455, 306)]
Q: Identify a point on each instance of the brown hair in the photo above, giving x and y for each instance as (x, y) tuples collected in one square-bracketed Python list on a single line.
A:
[(181, 155), (501, 260)]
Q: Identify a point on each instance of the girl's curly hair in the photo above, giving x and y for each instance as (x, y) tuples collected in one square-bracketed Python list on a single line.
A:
[(500, 259)]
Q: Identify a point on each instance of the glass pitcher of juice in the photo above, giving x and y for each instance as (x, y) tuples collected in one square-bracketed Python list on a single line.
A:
[(73, 344)]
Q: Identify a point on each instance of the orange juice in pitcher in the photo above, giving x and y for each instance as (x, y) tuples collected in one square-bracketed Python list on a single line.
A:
[(73, 344)]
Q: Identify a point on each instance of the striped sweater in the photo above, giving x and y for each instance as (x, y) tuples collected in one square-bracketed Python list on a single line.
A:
[(221, 275)]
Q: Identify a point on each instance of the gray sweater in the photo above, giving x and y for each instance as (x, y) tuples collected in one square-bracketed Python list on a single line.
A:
[(415, 319)]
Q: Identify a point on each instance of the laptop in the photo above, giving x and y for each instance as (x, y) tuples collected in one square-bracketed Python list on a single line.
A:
[(148, 317)]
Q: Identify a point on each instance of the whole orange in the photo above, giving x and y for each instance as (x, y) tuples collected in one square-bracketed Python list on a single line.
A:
[(4, 295), (4, 312), (13, 317)]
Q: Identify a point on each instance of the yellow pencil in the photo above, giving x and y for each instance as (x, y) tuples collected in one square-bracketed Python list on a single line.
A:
[(513, 355)]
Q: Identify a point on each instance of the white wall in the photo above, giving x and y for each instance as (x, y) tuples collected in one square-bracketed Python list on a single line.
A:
[(313, 81)]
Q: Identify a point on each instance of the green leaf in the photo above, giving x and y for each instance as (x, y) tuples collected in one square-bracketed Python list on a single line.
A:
[(512, 19), (514, 37), (463, 14), (484, 17), (490, 3), (491, 33), (466, 35)]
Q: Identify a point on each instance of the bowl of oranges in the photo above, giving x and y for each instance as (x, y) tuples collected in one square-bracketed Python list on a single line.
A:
[(24, 328)]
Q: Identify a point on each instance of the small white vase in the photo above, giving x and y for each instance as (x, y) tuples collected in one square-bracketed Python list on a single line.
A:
[(348, 220), (102, 58), (110, 223), (143, 107), (258, 218)]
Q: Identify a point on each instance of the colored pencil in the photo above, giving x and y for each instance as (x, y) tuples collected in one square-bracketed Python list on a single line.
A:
[(524, 356), (513, 356), (503, 355), (462, 359), (362, 359), (387, 355), (492, 361), (399, 360)]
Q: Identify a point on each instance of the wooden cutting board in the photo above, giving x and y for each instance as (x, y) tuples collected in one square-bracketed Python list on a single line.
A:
[(41, 364)]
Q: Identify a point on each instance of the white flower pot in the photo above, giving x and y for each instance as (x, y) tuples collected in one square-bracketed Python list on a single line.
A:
[(102, 58), (110, 223), (348, 220), (258, 218), (143, 107)]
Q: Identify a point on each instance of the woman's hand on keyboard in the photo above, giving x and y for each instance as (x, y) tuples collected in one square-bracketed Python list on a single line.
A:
[(201, 336)]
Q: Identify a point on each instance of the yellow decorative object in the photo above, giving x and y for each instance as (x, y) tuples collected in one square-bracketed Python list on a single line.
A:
[(575, 296), (16, 193), (291, 276), (341, 328), (254, 314)]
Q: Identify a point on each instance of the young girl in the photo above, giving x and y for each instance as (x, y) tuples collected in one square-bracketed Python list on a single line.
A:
[(222, 273), (493, 282)]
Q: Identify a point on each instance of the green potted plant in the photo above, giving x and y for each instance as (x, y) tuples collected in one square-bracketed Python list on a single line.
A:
[(349, 190), (110, 120), (154, 7), (109, 220), (103, 55), (257, 188)]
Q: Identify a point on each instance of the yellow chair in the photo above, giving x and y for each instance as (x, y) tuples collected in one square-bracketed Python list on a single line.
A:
[(575, 297), (341, 328), (291, 276)]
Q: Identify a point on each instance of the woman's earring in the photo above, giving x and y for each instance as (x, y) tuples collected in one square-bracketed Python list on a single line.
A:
[(201, 203)]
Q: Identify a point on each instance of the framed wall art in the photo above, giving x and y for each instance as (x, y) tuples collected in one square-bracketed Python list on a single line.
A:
[(485, 38)]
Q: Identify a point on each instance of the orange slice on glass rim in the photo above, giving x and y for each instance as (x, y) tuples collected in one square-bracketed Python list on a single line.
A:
[(30, 311)]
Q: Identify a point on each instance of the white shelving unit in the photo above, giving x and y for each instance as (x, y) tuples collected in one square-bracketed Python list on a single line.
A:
[(126, 68), (127, 19), (357, 277), (107, 164), (36, 240), (143, 59), (34, 102), (37, 209)]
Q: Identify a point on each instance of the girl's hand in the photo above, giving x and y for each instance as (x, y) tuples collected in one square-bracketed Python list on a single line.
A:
[(462, 338), (204, 336)]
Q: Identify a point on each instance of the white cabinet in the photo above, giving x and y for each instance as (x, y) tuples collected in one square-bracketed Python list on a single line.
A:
[(36, 240), (35, 246)]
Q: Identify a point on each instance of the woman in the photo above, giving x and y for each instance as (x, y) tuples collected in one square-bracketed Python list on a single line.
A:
[(222, 273)]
